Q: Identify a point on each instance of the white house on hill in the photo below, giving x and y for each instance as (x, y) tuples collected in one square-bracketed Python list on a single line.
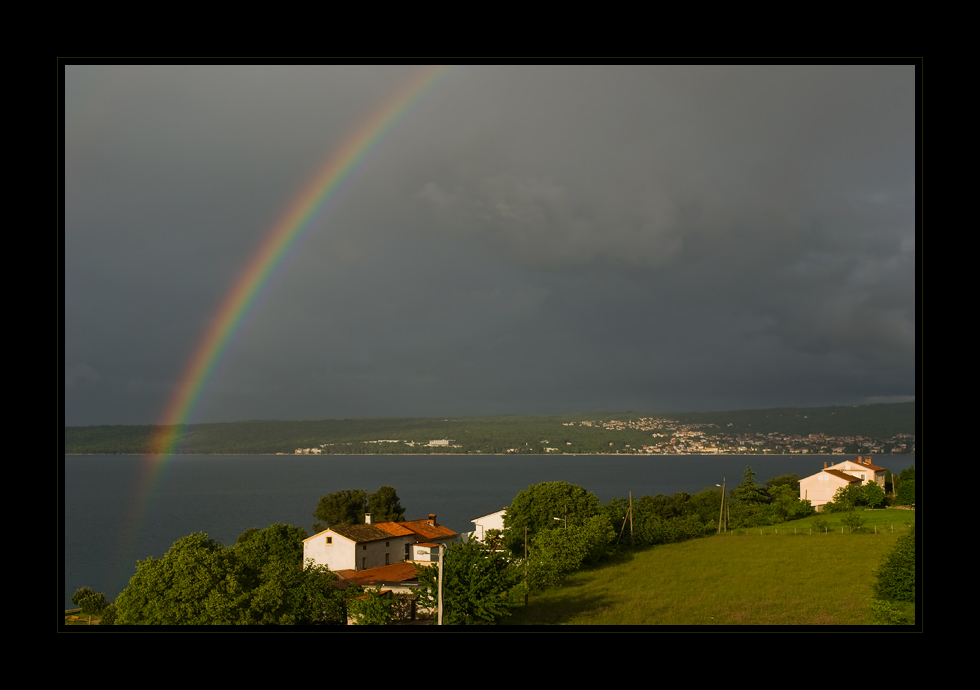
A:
[(487, 522), (820, 488), (361, 547)]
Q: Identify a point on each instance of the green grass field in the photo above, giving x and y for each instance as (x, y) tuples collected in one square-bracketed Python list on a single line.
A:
[(743, 578)]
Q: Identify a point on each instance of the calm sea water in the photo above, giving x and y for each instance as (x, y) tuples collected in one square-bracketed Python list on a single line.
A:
[(118, 509)]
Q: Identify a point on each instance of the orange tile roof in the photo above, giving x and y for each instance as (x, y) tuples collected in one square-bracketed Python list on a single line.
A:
[(361, 533), (842, 475), (397, 572), (395, 529), (867, 463), (423, 529)]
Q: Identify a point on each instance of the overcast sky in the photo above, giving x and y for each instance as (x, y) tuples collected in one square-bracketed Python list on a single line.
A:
[(526, 240)]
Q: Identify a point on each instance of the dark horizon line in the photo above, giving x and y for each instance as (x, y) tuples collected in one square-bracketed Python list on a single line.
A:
[(455, 417)]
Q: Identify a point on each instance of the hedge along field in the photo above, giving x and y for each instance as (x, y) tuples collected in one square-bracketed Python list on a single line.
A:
[(739, 578)]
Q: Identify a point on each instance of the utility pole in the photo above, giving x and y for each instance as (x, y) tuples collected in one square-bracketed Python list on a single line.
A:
[(631, 519), (721, 513), (442, 557), (526, 585)]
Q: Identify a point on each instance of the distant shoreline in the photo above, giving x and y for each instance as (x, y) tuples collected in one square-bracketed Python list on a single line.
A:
[(543, 455)]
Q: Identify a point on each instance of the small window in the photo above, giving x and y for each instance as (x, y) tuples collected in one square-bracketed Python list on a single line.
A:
[(364, 548), (387, 544), (330, 540)]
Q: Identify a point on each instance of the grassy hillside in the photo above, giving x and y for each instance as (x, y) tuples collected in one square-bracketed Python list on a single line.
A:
[(744, 578)]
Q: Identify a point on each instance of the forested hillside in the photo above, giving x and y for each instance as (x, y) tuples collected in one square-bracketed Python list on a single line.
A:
[(866, 428)]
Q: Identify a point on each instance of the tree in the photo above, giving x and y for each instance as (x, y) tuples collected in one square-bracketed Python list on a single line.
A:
[(749, 503), (372, 609), (266, 565), (348, 506), (895, 576), (81, 593), (344, 507), (480, 586), (260, 580), (874, 495), (385, 506), (537, 507), (248, 534), (108, 615), (790, 480), (906, 492), (748, 492), (706, 504), (853, 521), (783, 498), (317, 600), (846, 498), (89, 601), (180, 588), (557, 552)]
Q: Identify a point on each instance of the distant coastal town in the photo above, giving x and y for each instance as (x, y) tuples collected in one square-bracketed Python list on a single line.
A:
[(671, 437), (839, 430)]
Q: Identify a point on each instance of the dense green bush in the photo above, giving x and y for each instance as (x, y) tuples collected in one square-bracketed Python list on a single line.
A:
[(906, 493), (892, 612), (853, 521), (108, 615), (651, 529), (895, 577), (846, 498), (874, 495), (480, 586), (544, 507), (260, 580), (371, 609)]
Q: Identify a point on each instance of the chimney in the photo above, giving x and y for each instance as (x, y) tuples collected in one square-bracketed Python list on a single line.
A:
[(825, 465), (432, 519), (367, 518)]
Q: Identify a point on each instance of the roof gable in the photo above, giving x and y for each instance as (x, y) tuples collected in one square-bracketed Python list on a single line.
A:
[(360, 533), (842, 475), (423, 529), (395, 529), (496, 512), (867, 464)]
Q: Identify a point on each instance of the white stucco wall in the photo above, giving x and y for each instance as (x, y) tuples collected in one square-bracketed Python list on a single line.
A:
[(488, 522), (344, 554), (338, 555)]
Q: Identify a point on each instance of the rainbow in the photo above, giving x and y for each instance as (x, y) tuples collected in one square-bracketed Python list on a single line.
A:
[(299, 216)]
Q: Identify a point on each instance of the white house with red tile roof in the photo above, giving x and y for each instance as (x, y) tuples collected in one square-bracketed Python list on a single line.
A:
[(820, 488), (361, 547)]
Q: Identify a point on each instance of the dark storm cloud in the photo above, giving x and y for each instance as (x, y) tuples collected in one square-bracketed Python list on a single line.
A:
[(536, 239)]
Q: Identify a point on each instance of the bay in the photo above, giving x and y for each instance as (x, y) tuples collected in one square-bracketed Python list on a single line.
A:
[(120, 509)]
